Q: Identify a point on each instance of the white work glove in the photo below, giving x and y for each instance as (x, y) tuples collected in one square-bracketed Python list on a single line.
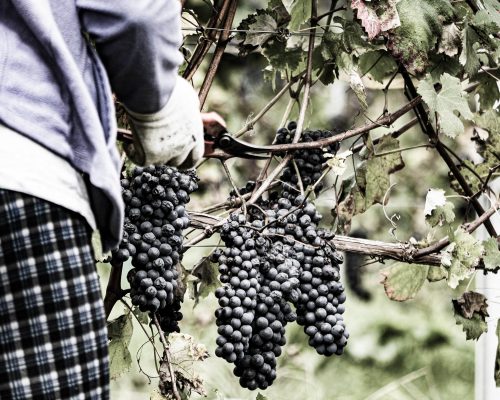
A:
[(173, 135)]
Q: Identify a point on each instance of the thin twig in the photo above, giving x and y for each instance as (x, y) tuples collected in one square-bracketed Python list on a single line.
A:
[(216, 20), (235, 187), (219, 51), (249, 125)]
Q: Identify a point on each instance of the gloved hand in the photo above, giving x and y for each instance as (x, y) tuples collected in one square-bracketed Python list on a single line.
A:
[(173, 135)]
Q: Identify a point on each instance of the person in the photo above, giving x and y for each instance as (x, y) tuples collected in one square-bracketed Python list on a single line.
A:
[(60, 62)]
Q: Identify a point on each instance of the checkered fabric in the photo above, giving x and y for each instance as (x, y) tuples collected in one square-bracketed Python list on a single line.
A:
[(53, 337)]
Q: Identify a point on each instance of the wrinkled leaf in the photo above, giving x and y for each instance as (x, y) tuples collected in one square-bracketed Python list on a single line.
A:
[(450, 40), (471, 311), (470, 44), (421, 27), (469, 303), (403, 281), (450, 98), (264, 26), (461, 256), (120, 333), (377, 16), (491, 258)]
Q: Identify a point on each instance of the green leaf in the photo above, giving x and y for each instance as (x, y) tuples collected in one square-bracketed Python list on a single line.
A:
[(260, 396), (264, 26), (120, 332), (473, 327), (372, 180), (282, 59), (437, 273), (378, 170), (442, 215), (207, 276), (492, 8), (471, 310), (377, 16), (421, 27), (403, 281), (378, 63), (488, 89), (300, 12), (470, 45), (491, 257), (141, 316), (461, 256), (440, 64), (450, 98)]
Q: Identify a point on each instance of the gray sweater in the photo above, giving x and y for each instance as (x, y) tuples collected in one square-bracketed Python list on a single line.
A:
[(56, 89)]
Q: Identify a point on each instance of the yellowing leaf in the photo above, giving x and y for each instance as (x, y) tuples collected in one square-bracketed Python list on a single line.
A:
[(377, 16), (403, 281), (450, 98)]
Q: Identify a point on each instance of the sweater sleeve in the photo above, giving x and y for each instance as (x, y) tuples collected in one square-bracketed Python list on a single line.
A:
[(138, 42)]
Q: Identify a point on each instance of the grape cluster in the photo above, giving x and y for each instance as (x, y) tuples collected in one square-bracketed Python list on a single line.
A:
[(309, 162), (155, 215), (278, 266)]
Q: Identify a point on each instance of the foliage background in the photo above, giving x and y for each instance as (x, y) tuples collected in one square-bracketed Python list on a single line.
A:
[(410, 350)]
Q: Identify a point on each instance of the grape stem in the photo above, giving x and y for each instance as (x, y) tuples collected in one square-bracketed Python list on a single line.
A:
[(166, 348)]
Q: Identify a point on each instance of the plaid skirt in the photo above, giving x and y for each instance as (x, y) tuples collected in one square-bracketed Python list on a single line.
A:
[(53, 337)]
